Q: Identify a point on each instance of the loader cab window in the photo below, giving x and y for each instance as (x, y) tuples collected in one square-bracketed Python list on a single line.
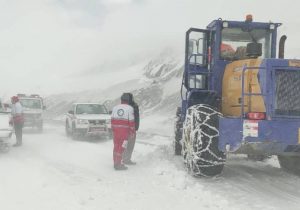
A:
[(197, 81), (197, 48), (235, 40)]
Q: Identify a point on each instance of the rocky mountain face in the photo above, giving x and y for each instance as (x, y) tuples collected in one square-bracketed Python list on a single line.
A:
[(156, 89)]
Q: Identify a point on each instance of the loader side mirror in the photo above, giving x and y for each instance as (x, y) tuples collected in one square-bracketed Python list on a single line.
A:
[(254, 50)]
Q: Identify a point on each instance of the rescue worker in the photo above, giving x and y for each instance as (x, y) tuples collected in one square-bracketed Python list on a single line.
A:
[(131, 141), (227, 51), (123, 127), (17, 119)]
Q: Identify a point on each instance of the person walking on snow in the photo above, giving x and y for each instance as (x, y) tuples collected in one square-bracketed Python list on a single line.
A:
[(123, 127), (17, 119), (131, 141)]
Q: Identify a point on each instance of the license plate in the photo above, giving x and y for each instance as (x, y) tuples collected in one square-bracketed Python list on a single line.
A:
[(97, 129)]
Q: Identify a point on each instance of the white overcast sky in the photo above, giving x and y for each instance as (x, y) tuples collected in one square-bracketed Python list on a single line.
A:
[(44, 44)]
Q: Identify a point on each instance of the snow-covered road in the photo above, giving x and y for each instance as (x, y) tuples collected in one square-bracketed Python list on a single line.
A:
[(53, 172)]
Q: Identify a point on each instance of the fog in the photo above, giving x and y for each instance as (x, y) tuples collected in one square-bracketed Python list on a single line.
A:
[(53, 46)]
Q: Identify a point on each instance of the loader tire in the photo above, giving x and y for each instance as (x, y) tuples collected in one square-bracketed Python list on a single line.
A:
[(290, 163), (177, 141), (178, 133), (200, 141), (177, 145)]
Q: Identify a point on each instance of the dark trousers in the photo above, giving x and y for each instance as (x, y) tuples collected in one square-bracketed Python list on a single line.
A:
[(18, 131), (129, 150)]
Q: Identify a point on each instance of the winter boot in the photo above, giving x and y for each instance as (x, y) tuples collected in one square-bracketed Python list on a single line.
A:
[(129, 162), (120, 167), (17, 144)]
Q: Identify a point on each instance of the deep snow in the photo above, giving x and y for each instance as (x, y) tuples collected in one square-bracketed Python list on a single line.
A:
[(51, 171)]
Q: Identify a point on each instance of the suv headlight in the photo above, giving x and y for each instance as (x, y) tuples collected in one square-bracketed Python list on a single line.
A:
[(81, 121)]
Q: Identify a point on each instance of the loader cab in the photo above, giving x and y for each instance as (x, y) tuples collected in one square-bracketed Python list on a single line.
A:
[(241, 42), (209, 50), (232, 38)]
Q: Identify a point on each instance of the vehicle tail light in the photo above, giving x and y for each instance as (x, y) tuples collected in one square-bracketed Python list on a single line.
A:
[(256, 115)]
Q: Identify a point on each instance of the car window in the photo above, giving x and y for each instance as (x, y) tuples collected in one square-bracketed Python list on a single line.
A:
[(31, 103), (90, 109)]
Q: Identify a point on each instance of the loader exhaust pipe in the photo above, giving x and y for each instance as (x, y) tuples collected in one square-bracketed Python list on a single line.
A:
[(281, 46)]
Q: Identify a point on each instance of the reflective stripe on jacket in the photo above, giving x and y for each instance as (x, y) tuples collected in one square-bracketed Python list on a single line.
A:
[(122, 117)]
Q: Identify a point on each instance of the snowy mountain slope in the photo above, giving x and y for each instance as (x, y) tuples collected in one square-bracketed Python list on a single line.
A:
[(155, 86)]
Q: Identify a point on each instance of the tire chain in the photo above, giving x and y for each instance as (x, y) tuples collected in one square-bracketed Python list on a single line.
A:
[(193, 150)]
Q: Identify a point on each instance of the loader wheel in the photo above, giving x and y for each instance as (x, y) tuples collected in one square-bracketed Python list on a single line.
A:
[(178, 133), (177, 142), (290, 163), (200, 141)]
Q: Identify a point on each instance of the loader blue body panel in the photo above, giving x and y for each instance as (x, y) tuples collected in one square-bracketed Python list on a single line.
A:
[(279, 132)]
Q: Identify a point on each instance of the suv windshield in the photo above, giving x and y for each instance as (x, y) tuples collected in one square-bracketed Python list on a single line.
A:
[(90, 109), (235, 40), (31, 103)]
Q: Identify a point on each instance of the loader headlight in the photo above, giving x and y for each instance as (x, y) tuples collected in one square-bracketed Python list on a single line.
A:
[(225, 24), (272, 26), (81, 121)]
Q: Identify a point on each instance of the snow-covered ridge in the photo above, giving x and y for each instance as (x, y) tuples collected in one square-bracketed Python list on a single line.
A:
[(155, 86)]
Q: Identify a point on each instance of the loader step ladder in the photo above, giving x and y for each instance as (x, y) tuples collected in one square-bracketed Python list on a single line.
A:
[(243, 86)]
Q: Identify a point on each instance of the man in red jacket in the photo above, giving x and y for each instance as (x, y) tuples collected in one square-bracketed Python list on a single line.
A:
[(123, 127), (17, 119)]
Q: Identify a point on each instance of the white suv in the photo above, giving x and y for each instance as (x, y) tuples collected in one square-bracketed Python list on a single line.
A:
[(88, 119)]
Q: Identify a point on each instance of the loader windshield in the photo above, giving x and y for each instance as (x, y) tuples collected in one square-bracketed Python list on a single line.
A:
[(235, 40)]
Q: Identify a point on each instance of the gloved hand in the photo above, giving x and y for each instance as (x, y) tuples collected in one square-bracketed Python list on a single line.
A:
[(125, 143)]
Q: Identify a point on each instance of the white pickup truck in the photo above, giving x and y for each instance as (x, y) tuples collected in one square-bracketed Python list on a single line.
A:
[(33, 108), (88, 119), (6, 129)]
